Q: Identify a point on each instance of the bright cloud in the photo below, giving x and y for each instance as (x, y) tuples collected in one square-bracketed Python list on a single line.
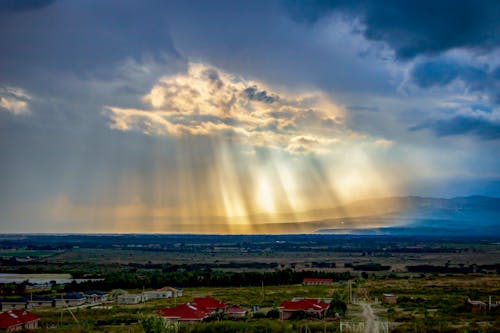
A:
[(14, 100), (205, 101)]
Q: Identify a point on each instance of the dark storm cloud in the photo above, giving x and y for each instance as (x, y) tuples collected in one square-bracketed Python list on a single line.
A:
[(440, 72), (22, 5), (83, 37), (480, 126), (415, 27)]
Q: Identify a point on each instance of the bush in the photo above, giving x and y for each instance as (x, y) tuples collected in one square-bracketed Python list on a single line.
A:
[(153, 324), (273, 314), (258, 315)]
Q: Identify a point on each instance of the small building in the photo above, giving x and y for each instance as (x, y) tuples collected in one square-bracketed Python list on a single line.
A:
[(37, 301), (39, 286), (95, 296), (174, 292), (476, 306), (314, 307), (7, 304), (131, 298), (70, 299), (389, 299), (165, 292), (317, 282), (235, 312), (187, 313), (17, 320)]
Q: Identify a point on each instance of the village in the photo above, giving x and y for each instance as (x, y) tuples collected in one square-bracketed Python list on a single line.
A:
[(18, 312)]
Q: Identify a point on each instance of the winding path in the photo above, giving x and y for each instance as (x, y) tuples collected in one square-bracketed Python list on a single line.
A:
[(371, 320)]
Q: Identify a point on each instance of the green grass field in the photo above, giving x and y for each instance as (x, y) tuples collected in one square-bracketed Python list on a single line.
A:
[(433, 303)]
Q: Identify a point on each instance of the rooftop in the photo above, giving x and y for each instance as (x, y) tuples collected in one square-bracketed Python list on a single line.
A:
[(16, 317), (184, 312), (304, 304), (208, 303)]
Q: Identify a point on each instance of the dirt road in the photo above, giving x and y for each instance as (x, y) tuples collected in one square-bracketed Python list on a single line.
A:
[(371, 320)]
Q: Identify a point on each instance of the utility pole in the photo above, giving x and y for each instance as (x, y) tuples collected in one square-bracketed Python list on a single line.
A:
[(349, 284), (262, 291)]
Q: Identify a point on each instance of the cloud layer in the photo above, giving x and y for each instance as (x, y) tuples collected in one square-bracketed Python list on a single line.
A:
[(205, 101), (412, 28)]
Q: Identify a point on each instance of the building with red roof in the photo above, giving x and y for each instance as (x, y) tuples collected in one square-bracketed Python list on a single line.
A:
[(209, 304), (199, 309), (236, 312), (184, 312), (16, 320), (316, 282), (314, 307)]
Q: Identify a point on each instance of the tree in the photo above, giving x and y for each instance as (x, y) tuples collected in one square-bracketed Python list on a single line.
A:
[(337, 306), (153, 324)]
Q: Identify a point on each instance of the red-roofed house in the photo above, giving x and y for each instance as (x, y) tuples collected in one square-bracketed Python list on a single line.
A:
[(184, 312), (16, 320), (314, 307), (196, 311), (316, 282), (236, 312), (209, 304)]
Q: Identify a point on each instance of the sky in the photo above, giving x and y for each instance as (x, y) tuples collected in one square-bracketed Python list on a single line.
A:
[(221, 116)]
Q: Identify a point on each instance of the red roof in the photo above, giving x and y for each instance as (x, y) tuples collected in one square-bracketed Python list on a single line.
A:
[(208, 303), (304, 304), (16, 317), (313, 280), (184, 312)]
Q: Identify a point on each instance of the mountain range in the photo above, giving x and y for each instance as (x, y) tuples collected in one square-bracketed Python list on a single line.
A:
[(461, 216)]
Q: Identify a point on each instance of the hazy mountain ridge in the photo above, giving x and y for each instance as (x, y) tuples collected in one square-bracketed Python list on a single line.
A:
[(421, 215)]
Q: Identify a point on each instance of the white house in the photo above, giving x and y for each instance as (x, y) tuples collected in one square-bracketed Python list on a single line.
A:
[(70, 299), (96, 296), (13, 303), (156, 294), (36, 301), (131, 298)]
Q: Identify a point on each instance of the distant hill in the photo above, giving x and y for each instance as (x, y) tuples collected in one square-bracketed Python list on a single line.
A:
[(473, 215)]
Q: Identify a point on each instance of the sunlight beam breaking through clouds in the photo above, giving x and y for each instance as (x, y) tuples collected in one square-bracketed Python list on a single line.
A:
[(248, 155)]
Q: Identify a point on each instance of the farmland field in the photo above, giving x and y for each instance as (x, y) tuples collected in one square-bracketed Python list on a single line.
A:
[(431, 278)]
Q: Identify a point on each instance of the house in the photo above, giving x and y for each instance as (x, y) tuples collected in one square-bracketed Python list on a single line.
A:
[(314, 307), (17, 320), (317, 282), (476, 306), (209, 304), (389, 299), (95, 296), (70, 299), (36, 301), (39, 286), (165, 292), (235, 312), (175, 292), (13, 303), (187, 313), (154, 294), (196, 311), (131, 298)]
